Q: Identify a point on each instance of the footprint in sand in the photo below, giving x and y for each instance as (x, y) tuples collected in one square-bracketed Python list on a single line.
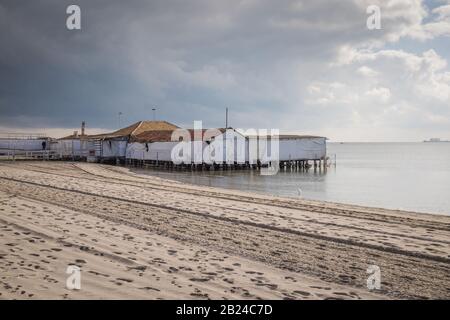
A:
[(149, 288), (124, 279), (302, 293), (199, 279)]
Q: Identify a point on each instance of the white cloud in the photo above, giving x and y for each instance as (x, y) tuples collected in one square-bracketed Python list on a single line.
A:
[(366, 71), (438, 26), (49, 132), (407, 91), (379, 93), (331, 94)]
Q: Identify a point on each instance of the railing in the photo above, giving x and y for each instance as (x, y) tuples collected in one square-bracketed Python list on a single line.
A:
[(22, 136), (20, 154)]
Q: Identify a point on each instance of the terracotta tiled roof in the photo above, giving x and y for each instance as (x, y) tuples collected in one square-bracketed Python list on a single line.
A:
[(136, 129), (73, 136), (165, 135)]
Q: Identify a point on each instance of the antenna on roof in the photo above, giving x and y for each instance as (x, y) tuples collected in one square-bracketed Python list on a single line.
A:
[(119, 115), (226, 118)]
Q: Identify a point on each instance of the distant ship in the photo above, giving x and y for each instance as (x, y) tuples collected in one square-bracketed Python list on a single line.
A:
[(436, 140)]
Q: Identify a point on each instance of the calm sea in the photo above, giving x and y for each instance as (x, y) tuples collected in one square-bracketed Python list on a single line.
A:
[(408, 176)]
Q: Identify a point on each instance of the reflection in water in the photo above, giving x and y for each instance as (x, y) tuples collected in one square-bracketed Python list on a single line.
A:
[(408, 176)]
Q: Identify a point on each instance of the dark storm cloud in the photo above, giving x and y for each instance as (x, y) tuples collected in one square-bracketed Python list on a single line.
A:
[(191, 59)]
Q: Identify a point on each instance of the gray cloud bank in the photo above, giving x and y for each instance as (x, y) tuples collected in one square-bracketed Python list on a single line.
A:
[(307, 66)]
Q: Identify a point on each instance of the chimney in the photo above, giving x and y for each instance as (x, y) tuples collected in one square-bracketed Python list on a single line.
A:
[(226, 118), (83, 126)]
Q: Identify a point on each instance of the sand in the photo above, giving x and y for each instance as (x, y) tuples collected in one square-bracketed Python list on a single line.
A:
[(142, 237)]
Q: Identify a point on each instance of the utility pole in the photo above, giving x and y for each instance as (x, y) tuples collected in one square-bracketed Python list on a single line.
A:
[(154, 113), (226, 118), (120, 114)]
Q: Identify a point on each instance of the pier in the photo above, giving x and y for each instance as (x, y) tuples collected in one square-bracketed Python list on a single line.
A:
[(294, 165)]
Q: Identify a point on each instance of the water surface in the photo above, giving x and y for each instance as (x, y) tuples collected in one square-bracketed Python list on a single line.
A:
[(408, 176)]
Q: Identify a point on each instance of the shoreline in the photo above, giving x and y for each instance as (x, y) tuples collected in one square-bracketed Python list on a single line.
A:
[(311, 200), (182, 176), (204, 242)]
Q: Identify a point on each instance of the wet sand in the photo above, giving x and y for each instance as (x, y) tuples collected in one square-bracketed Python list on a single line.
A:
[(143, 237)]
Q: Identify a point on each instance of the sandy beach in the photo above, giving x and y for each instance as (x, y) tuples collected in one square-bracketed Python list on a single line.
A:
[(142, 237)]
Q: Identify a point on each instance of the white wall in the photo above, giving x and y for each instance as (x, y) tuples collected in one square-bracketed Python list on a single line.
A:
[(163, 150), (302, 148), (75, 147), (23, 144), (235, 147), (289, 149), (114, 148), (156, 151)]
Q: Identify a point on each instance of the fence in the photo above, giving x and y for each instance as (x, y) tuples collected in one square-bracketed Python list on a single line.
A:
[(26, 155)]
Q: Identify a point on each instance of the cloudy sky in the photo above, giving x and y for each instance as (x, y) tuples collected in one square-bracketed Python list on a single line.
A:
[(300, 66)]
